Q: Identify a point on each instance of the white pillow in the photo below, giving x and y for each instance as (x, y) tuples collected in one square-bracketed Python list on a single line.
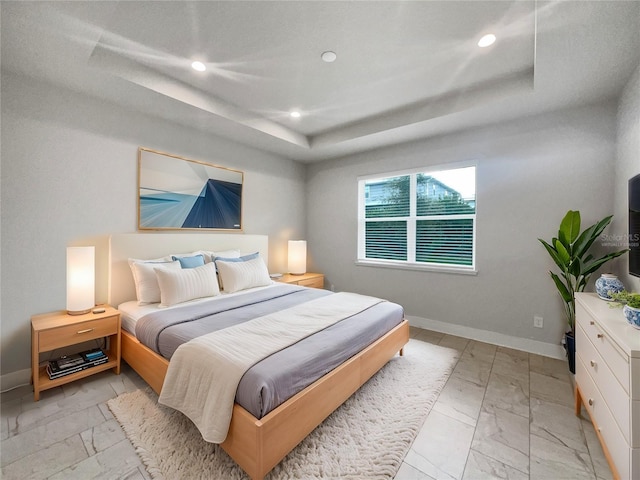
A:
[(237, 276), (225, 254), (177, 286), (144, 276)]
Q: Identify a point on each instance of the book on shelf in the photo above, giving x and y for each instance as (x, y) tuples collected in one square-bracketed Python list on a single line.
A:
[(69, 364)]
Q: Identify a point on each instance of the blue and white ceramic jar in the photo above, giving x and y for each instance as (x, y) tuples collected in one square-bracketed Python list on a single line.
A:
[(632, 315), (608, 283)]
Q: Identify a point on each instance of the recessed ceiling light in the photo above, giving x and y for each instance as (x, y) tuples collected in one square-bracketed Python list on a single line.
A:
[(329, 56), (487, 40), (199, 66), (295, 114)]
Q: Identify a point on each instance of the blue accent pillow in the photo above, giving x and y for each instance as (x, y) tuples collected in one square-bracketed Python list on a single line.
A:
[(243, 258), (190, 262)]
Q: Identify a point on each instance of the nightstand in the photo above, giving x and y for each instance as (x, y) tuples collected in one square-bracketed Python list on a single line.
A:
[(313, 280), (50, 331)]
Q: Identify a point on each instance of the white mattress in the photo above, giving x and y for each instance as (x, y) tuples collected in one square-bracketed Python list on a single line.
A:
[(131, 312)]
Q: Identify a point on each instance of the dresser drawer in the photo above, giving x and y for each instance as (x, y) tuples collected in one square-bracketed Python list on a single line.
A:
[(603, 421), (77, 333), (608, 385), (618, 362)]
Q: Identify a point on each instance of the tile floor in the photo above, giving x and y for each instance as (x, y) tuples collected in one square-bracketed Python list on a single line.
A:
[(503, 414)]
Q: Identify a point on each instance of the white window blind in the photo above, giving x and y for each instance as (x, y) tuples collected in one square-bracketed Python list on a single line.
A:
[(418, 219)]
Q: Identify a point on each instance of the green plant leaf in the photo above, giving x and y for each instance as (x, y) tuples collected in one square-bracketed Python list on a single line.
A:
[(582, 283), (569, 228), (586, 239), (602, 224), (575, 268), (553, 253), (563, 254), (562, 288), (596, 264)]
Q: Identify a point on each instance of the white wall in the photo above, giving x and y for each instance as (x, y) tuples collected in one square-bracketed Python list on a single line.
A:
[(530, 172), (69, 171), (627, 166)]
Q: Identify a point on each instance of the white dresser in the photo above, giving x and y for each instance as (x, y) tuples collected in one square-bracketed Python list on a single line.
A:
[(608, 381)]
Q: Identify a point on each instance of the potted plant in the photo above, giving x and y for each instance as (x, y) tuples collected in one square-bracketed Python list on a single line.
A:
[(570, 252), (631, 308)]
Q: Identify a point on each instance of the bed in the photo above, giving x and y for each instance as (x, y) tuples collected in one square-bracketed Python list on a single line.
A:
[(256, 442)]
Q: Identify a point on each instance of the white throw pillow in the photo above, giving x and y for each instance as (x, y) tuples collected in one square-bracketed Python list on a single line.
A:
[(225, 254), (144, 276), (177, 286), (238, 276)]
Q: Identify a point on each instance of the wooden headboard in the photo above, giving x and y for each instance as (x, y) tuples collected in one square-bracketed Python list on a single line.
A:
[(120, 286)]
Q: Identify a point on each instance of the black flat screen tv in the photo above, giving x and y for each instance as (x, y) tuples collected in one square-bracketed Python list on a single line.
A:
[(634, 226)]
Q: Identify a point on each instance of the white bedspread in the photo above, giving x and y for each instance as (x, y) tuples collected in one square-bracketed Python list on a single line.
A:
[(204, 373)]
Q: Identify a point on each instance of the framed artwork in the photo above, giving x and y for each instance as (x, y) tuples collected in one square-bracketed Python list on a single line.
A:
[(179, 193)]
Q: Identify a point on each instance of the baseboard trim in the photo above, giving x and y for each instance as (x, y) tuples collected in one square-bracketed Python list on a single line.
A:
[(12, 380), (494, 338)]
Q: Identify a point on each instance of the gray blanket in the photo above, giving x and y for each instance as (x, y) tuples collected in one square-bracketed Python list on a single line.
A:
[(280, 376)]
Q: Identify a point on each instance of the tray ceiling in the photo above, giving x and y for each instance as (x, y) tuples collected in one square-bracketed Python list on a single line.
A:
[(404, 70)]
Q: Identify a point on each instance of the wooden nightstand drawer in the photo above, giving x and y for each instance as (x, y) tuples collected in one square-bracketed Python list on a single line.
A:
[(311, 280), (317, 282), (77, 333)]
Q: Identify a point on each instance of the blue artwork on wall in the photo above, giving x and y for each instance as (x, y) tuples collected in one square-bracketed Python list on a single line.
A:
[(179, 193)]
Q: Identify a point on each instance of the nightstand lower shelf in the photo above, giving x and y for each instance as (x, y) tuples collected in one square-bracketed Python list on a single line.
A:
[(45, 383)]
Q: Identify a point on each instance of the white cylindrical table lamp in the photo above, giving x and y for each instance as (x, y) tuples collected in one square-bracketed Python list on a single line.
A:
[(81, 278), (297, 257)]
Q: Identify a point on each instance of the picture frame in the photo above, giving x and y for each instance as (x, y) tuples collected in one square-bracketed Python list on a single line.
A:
[(178, 193)]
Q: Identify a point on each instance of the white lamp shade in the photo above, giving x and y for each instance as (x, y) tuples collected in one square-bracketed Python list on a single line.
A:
[(81, 279), (297, 257)]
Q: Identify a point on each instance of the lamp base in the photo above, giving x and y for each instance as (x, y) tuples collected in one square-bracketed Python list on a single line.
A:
[(78, 312), (290, 273)]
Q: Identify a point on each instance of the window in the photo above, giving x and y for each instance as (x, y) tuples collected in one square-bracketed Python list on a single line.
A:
[(418, 219)]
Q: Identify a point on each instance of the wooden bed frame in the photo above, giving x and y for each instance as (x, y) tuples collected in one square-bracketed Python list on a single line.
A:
[(257, 445)]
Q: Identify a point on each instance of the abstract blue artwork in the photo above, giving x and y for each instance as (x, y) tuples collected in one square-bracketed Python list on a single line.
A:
[(179, 193)]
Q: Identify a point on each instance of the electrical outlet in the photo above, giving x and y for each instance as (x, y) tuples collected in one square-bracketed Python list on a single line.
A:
[(538, 321)]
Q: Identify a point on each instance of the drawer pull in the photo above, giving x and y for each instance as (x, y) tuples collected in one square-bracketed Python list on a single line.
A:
[(593, 364), (591, 402), (600, 335), (85, 331)]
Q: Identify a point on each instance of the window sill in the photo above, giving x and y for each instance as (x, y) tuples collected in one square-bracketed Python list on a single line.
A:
[(413, 266)]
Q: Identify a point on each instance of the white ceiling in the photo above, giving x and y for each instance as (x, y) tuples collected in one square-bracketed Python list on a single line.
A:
[(405, 70)]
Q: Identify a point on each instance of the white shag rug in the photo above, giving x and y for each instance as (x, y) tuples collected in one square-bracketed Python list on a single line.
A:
[(366, 438)]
